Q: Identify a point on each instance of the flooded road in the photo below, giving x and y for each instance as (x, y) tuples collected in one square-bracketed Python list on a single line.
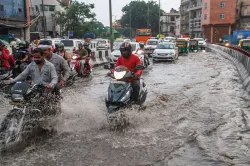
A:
[(197, 113)]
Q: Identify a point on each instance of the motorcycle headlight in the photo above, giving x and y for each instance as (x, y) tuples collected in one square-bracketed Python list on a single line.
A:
[(17, 97), (119, 75), (74, 57)]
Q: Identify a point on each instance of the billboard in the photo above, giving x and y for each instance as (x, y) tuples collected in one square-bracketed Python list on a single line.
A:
[(13, 9)]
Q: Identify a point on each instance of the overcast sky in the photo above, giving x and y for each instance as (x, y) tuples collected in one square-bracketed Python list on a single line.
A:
[(102, 8)]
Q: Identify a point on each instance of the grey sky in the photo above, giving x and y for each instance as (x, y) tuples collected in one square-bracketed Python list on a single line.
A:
[(102, 8)]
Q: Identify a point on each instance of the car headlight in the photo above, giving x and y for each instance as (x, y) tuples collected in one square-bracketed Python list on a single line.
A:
[(119, 75), (172, 53)]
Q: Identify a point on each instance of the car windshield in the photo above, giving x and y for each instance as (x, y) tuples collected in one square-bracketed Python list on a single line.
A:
[(152, 42), (68, 43), (102, 42), (45, 42), (246, 43), (165, 46)]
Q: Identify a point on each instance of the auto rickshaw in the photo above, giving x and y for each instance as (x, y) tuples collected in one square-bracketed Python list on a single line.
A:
[(193, 45), (182, 45), (245, 44)]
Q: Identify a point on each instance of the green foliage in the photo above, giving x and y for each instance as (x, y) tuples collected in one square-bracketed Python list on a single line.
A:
[(139, 15), (78, 17)]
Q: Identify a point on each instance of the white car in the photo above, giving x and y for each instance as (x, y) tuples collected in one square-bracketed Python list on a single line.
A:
[(50, 42), (71, 45), (169, 39), (117, 53), (201, 43), (165, 51), (151, 45)]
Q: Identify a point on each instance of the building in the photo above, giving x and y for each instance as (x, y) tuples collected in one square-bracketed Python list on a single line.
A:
[(184, 13), (218, 18), (243, 15), (195, 8), (14, 19), (178, 27), (50, 7), (168, 22)]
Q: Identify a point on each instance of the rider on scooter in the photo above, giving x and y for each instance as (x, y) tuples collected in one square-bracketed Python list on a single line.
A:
[(141, 44), (130, 61), (64, 53), (6, 60)]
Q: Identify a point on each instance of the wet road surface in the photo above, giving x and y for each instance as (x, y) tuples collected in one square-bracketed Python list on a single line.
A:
[(197, 113)]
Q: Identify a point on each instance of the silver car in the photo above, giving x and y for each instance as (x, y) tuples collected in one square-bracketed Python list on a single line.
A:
[(165, 52)]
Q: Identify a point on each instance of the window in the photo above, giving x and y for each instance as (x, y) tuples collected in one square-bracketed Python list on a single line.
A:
[(172, 19), (205, 6), (222, 16), (222, 4), (205, 16), (50, 8), (1, 8)]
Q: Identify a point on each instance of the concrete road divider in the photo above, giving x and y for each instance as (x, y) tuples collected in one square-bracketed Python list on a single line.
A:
[(99, 57), (239, 57)]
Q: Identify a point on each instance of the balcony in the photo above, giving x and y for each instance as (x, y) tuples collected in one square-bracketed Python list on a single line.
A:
[(195, 7), (195, 29), (195, 19), (168, 22), (184, 1)]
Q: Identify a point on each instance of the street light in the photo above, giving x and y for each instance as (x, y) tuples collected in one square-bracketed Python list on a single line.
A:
[(110, 21), (159, 18)]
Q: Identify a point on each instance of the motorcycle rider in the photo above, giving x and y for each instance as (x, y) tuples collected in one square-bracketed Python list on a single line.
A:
[(56, 48), (130, 61), (62, 68), (84, 54), (40, 70), (65, 54), (81, 50), (6, 60), (141, 44)]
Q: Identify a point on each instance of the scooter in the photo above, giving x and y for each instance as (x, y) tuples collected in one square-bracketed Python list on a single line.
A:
[(83, 67), (143, 57), (120, 89)]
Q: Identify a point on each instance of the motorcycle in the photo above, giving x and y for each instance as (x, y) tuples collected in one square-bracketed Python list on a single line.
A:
[(29, 105), (120, 89), (82, 67), (143, 57)]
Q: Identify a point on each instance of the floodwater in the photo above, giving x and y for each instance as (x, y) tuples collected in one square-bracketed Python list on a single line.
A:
[(197, 113)]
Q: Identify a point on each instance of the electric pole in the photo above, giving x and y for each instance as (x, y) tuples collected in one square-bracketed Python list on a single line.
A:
[(148, 15), (44, 22), (159, 18), (130, 23), (110, 19)]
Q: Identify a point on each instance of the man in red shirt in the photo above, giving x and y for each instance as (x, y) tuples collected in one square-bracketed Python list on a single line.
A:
[(5, 58), (130, 61)]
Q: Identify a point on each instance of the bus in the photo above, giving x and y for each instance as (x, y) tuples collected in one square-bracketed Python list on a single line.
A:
[(142, 35)]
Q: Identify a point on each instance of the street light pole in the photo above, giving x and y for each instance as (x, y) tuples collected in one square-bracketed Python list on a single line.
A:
[(44, 22), (110, 19), (148, 15), (130, 23)]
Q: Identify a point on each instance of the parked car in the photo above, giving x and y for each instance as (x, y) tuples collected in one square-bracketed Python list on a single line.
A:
[(201, 43), (71, 45), (165, 51), (103, 44), (50, 42), (151, 45)]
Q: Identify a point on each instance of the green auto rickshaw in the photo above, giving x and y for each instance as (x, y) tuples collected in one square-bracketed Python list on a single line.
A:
[(182, 45), (245, 44), (193, 45)]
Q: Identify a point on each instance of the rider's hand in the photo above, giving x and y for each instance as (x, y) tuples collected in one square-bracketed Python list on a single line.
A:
[(8, 82), (108, 74), (48, 86), (137, 75), (62, 83)]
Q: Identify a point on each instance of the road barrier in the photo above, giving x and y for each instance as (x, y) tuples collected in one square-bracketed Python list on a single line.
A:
[(239, 57), (99, 57)]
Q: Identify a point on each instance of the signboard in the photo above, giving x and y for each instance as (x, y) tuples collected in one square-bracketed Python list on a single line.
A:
[(70, 33)]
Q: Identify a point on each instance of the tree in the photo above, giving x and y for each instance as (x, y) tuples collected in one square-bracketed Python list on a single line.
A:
[(139, 16), (77, 17)]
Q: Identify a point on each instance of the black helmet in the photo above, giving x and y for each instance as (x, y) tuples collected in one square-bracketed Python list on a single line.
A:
[(60, 46), (80, 45), (141, 45), (126, 46), (22, 45)]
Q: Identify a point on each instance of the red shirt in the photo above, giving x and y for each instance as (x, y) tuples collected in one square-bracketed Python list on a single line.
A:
[(4, 58), (130, 63)]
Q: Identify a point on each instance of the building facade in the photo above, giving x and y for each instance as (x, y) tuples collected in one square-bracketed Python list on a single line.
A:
[(218, 18), (178, 27), (195, 27), (14, 19), (50, 7), (184, 13), (243, 15), (168, 22)]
